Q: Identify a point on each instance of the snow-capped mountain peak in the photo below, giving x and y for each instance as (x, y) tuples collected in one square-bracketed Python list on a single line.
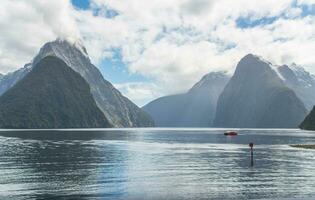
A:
[(78, 44), (301, 81), (119, 110), (72, 53)]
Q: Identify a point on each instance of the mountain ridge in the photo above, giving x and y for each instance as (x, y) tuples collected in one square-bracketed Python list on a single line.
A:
[(119, 110), (52, 95), (256, 97), (9, 80), (301, 81), (195, 108), (309, 122)]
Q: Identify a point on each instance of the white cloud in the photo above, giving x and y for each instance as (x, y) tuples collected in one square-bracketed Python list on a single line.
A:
[(176, 42), (140, 92), (172, 42), (27, 25), (178, 65)]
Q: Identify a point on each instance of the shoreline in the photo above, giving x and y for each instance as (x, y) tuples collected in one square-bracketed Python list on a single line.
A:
[(304, 146)]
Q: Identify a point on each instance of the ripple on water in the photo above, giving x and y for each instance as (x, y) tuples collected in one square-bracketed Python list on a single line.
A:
[(156, 164)]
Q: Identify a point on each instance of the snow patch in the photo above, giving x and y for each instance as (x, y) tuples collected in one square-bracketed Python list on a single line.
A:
[(276, 69), (78, 44), (303, 76), (272, 66), (262, 59)]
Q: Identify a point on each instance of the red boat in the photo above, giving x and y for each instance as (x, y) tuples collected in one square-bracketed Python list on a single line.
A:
[(230, 133)]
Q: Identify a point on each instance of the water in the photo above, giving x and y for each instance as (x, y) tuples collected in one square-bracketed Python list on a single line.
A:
[(155, 164)]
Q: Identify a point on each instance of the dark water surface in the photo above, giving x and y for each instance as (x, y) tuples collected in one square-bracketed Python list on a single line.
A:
[(155, 164)]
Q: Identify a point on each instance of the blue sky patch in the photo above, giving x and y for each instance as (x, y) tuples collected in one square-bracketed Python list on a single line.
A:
[(105, 12), (308, 10), (81, 4), (246, 22), (114, 70)]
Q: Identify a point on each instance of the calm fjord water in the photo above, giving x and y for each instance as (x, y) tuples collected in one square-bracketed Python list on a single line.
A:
[(155, 164)]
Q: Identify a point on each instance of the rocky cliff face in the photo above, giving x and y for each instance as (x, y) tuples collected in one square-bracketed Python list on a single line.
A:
[(301, 81), (196, 108), (9, 80), (119, 110), (256, 97), (52, 95)]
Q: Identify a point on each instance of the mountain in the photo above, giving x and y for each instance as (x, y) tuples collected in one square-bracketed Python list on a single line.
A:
[(52, 95), (9, 80), (119, 110), (196, 108), (309, 122), (256, 97), (301, 81)]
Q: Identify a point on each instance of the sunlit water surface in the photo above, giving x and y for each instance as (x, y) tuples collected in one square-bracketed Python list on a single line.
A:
[(155, 164)]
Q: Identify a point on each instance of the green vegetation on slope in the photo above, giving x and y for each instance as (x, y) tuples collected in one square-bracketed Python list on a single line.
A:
[(52, 95), (118, 109), (309, 121)]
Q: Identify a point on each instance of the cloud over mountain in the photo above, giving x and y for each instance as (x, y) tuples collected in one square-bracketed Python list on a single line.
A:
[(27, 25), (169, 42)]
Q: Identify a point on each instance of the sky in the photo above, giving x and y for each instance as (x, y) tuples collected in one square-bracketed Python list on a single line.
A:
[(149, 49)]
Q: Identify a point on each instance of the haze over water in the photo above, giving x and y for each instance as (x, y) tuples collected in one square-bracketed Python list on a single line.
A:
[(155, 164)]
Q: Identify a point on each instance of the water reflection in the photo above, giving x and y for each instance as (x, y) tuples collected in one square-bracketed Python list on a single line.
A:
[(155, 164), (50, 168)]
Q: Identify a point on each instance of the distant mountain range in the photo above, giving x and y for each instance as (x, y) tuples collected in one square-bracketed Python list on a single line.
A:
[(9, 80), (256, 97), (196, 108), (119, 110), (259, 95), (52, 95)]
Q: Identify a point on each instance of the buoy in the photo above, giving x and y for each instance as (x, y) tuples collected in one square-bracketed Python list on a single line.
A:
[(251, 145)]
